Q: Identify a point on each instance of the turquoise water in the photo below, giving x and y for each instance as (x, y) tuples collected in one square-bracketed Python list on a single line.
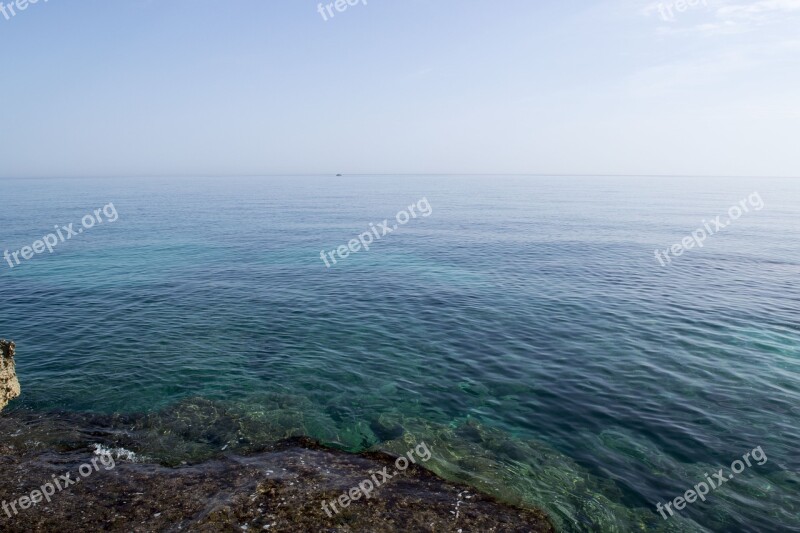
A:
[(524, 328)]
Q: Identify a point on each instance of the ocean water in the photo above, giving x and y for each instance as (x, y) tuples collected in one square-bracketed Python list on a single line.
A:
[(524, 330)]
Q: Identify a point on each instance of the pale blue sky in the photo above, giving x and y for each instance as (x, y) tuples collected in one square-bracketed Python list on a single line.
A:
[(195, 87)]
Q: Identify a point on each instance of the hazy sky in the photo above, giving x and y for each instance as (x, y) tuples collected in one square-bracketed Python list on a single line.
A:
[(146, 87)]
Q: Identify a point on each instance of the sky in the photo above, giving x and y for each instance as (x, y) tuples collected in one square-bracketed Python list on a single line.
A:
[(258, 87)]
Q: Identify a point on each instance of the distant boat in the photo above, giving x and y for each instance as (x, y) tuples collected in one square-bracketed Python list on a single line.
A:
[(338, 175)]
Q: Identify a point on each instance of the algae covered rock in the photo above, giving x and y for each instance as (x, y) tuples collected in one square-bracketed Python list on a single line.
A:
[(9, 384), (286, 487)]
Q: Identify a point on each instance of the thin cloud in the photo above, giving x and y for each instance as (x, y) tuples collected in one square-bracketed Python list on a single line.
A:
[(727, 16)]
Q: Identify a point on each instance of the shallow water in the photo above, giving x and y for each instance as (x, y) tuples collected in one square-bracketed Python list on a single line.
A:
[(524, 328)]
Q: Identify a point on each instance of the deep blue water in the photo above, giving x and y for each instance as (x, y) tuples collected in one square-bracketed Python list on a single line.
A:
[(524, 329)]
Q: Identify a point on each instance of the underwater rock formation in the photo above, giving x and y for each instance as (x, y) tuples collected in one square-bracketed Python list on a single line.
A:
[(9, 384), (278, 489)]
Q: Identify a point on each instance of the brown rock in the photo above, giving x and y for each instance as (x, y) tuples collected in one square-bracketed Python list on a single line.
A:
[(9, 384)]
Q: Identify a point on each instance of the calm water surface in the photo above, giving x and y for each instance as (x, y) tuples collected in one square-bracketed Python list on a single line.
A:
[(524, 329)]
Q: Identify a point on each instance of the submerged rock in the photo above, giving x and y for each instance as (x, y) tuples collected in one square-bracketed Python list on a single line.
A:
[(279, 488), (9, 384)]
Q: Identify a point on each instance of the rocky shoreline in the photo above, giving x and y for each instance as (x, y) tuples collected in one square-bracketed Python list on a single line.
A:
[(280, 488), (67, 472)]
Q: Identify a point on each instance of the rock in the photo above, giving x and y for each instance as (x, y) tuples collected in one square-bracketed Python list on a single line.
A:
[(9, 384), (282, 488)]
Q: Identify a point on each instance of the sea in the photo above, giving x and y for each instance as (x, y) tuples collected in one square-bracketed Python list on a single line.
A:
[(529, 329)]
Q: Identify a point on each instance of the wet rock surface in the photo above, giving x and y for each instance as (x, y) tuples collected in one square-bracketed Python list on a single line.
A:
[(279, 488), (9, 385)]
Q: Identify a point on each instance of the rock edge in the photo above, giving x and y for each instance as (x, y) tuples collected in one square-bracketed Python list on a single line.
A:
[(9, 384)]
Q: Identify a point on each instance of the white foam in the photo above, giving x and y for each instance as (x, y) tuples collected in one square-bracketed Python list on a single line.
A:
[(118, 453)]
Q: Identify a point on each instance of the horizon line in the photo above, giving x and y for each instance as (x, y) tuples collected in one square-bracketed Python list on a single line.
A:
[(366, 174)]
